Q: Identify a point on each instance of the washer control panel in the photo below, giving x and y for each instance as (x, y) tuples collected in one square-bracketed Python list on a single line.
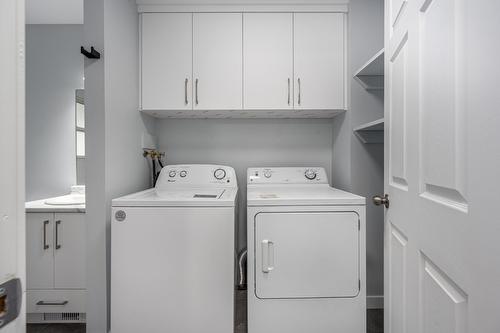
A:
[(287, 175), (196, 175)]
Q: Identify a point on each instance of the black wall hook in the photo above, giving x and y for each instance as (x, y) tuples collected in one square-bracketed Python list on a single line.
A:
[(93, 54)]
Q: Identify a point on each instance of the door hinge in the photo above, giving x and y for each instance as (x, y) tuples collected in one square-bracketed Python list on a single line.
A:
[(359, 285), (359, 224)]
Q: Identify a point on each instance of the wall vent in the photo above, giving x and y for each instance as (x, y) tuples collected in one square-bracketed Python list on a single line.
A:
[(57, 317), (63, 316)]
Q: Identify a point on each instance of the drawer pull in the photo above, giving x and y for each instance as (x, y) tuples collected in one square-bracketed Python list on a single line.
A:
[(60, 303)]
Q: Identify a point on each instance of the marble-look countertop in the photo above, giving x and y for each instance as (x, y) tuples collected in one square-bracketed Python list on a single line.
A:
[(39, 206)]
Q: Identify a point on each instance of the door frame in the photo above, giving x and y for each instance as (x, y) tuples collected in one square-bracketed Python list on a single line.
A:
[(12, 105)]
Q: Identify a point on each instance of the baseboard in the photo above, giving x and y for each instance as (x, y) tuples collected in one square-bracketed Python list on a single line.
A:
[(374, 302)]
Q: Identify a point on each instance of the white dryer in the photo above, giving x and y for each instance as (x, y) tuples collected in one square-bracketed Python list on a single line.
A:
[(306, 253), (172, 253)]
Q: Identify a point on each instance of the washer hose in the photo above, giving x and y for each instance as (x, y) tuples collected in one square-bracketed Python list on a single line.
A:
[(242, 269)]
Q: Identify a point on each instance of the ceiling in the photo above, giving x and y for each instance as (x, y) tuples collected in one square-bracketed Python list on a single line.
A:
[(54, 11)]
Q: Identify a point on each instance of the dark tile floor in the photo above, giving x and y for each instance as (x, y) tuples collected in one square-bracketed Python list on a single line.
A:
[(55, 328), (374, 321)]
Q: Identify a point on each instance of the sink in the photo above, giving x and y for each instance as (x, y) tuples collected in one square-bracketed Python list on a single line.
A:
[(69, 199), (76, 197)]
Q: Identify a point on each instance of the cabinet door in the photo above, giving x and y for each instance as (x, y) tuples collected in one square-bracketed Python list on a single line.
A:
[(166, 61), (268, 61), (39, 250), (69, 247), (217, 61), (319, 61)]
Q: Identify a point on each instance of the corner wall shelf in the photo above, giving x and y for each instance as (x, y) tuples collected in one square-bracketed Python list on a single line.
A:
[(372, 132), (371, 74)]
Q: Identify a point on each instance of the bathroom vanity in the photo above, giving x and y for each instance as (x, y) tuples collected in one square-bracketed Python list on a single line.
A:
[(56, 260)]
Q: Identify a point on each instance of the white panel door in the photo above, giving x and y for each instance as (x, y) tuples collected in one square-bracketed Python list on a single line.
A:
[(268, 60), (306, 255), (69, 251), (12, 165), (319, 49), (40, 250), (166, 61), (442, 163), (217, 61)]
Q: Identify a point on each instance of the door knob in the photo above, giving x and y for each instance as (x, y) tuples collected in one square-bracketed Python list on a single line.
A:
[(378, 200)]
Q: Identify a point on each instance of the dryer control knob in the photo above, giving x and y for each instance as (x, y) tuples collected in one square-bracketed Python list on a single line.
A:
[(219, 174), (172, 173), (267, 173), (183, 173), (310, 174)]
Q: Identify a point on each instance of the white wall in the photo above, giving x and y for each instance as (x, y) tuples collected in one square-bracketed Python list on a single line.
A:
[(114, 127), (244, 143), (54, 70), (95, 169)]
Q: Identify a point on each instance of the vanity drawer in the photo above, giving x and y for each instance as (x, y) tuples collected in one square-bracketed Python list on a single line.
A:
[(47, 301)]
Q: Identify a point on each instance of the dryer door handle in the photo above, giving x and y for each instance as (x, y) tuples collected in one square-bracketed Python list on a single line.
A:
[(267, 255)]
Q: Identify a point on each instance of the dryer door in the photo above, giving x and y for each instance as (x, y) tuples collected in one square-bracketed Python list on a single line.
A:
[(306, 254)]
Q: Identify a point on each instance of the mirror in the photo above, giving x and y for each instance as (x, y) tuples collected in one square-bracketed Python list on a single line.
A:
[(80, 136)]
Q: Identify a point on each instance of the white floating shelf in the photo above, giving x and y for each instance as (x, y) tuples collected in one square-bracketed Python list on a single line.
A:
[(371, 74), (372, 132)]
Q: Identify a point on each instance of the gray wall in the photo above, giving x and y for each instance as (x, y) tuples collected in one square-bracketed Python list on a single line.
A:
[(114, 128), (54, 70), (244, 143)]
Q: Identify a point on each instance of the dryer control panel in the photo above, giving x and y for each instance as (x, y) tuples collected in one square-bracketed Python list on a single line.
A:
[(196, 175), (287, 175)]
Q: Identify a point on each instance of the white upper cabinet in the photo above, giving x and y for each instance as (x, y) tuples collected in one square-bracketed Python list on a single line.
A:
[(268, 60), (319, 61), (217, 61), (213, 63), (166, 61)]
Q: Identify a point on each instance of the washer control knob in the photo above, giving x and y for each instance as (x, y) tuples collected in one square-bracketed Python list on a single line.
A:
[(267, 173), (172, 173), (220, 174), (310, 174), (183, 173)]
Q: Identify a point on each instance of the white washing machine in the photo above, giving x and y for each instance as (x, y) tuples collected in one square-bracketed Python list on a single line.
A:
[(172, 253), (306, 253)]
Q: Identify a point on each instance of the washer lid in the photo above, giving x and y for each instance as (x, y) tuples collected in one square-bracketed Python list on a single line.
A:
[(296, 195), (192, 197)]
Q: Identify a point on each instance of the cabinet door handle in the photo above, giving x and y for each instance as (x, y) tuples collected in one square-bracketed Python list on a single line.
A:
[(267, 256), (52, 303), (186, 91), (288, 91), (58, 246), (298, 81), (45, 224), (196, 91)]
